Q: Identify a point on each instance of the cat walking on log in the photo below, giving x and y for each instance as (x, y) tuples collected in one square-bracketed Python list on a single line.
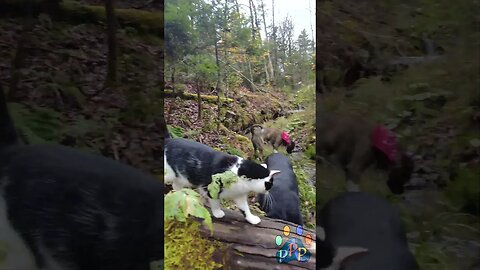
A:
[(216, 175)]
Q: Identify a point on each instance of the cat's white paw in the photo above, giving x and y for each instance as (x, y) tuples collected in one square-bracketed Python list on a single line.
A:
[(253, 219), (218, 213)]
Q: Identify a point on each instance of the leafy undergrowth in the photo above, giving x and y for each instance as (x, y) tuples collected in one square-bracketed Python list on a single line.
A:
[(61, 96), (185, 247)]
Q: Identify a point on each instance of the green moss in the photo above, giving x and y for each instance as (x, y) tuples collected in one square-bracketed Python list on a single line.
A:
[(186, 247), (3, 252), (464, 191), (310, 151), (306, 192)]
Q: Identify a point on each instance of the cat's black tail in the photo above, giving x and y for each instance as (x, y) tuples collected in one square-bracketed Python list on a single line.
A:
[(8, 134)]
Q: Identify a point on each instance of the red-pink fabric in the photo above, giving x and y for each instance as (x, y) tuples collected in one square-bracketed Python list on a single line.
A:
[(385, 141), (286, 137)]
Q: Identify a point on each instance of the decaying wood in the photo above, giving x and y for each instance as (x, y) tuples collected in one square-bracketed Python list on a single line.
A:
[(253, 246), (189, 96)]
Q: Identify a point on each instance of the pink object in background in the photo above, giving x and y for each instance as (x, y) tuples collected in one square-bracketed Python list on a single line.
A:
[(286, 137), (385, 141)]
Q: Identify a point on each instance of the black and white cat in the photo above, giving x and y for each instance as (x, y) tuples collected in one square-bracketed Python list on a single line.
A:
[(282, 201), (61, 209), (191, 164)]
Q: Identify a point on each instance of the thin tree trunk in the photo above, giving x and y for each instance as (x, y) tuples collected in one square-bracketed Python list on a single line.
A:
[(267, 77), (237, 7), (257, 27), (311, 26), (250, 5), (19, 60), (270, 73), (251, 73), (199, 102), (217, 86), (172, 77), (274, 42), (225, 72), (112, 42)]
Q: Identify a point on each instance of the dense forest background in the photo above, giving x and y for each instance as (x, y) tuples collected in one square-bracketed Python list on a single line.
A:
[(413, 66)]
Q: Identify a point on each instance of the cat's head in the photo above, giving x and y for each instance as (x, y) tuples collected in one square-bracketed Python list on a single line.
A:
[(259, 178)]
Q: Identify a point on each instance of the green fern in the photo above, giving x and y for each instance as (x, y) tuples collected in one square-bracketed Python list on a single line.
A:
[(38, 125)]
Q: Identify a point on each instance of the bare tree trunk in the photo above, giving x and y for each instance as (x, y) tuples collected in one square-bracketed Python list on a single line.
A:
[(225, 72), (112, 42), (237, 7), (199, 102), (217, 86), (250, 5), (257, 27), (172, 77), (311, 27), (270, 73), (19, 60), (251, 73), (274, 42), (267, 77)]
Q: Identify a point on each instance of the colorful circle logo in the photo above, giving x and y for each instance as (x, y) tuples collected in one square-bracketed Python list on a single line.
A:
[(293, 248)]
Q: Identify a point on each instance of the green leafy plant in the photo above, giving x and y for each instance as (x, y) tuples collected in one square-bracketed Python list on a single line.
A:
[(38, 125), (176, 132), (179, 205), (225, 179)]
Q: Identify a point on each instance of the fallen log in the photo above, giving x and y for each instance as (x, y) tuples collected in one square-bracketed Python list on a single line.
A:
[(254, 247), (190, 96), (71, 11)]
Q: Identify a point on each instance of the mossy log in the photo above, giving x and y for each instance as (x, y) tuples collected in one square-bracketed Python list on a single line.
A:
[(190, 96), (253, 246), (71, 11)]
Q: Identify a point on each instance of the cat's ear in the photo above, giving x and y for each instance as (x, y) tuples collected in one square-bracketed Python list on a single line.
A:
[(264, 165), (273, 172)]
